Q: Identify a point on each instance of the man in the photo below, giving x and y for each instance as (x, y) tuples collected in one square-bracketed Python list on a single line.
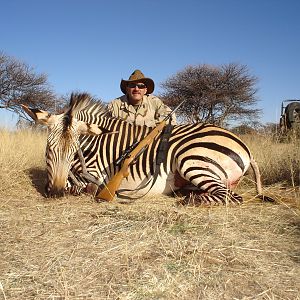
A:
[(137, 105)]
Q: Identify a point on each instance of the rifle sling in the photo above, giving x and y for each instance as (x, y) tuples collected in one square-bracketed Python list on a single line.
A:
[(161, 157), (164, 144)]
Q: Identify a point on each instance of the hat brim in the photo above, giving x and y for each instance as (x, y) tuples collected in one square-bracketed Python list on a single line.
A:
[(147, 81)]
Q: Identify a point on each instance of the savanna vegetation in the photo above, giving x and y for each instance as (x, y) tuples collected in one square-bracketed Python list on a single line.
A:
[(74, 248), (213, 94)]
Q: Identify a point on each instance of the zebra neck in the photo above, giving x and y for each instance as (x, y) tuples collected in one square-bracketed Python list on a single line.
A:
[(128, 130)]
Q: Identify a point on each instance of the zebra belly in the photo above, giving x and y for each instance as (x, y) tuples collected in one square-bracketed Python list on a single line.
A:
[(163, 184)]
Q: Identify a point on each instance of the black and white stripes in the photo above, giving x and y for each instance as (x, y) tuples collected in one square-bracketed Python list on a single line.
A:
[(207, 158)]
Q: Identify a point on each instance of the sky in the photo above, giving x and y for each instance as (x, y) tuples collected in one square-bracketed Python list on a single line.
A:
[(90, 45)]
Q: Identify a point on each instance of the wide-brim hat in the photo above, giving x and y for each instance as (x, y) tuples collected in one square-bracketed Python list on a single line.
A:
[(138, 76)]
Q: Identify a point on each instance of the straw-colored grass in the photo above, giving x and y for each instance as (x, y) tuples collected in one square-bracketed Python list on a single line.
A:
[(21, 155), (74, 248), (279, 161)]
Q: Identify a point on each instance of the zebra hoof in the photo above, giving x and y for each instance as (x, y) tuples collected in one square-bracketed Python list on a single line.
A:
[(265, 198), (91, 189)]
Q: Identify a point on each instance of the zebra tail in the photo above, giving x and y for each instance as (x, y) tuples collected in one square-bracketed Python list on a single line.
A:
[(256, 172)]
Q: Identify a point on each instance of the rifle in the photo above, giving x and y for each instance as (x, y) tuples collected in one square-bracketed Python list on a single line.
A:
[(109, 190)]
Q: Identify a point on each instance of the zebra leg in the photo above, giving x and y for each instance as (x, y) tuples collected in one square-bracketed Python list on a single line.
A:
[(219, 196), (74, 190)]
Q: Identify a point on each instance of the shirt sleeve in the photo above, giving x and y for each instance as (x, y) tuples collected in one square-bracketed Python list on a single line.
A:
[(162, 110), (114, 108)]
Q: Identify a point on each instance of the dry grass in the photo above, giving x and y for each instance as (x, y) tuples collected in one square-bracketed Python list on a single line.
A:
[(279, 161), (21, 157), (74, 248)]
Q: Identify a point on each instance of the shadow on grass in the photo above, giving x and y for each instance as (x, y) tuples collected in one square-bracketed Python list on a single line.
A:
[(38, 179)]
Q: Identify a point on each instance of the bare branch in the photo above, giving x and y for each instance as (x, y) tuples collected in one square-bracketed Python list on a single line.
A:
[(20, 85)]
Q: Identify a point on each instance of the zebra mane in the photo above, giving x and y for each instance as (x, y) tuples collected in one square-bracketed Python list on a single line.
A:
[(83, 102)]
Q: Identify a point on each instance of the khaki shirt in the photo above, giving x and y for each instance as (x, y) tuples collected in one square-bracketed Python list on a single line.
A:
[(150, 112)]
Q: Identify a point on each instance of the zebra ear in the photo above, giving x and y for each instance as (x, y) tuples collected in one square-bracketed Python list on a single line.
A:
[(93, 129), (39, 116)]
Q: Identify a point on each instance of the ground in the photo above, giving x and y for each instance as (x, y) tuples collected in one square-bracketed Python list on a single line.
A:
[(76, 248)]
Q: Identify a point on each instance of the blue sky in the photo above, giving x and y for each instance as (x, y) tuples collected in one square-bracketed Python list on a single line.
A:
[(90, 45)]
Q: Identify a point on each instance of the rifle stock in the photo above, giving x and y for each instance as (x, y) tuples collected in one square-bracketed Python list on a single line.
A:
[(109, 191)]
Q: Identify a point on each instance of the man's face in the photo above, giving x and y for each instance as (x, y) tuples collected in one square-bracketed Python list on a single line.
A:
[(135, 92)]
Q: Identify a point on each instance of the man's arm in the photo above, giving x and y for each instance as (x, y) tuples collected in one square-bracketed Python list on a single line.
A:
[(162, 110)]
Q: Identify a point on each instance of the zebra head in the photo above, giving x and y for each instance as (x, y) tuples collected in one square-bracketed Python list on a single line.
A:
[(63, 140)]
